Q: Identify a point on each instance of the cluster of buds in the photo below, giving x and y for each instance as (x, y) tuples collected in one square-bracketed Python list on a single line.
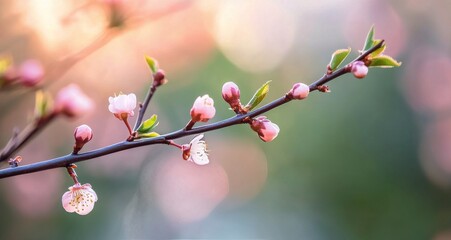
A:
[(29, 73), (70, 101), (266, 130)]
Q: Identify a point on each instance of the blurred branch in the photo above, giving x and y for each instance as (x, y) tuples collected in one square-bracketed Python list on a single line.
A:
[(18, 140), (65, 161), (61, 67)]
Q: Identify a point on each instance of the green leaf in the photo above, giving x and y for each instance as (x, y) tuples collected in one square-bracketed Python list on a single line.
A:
[(5, 64), (43, 104), (258, 97), (378, 51), (369, 39), (384, 61), (148, 125), (148, 135), (338, 57), (153, 64)]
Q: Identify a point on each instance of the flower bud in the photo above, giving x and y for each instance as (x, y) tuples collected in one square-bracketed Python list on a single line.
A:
[(8, 72), (122, 106), (203, 109), (82, 135), (267, 131), (299, 91), (159, 78), (72, 102), (231, 94), (31, 73), (359, 69)]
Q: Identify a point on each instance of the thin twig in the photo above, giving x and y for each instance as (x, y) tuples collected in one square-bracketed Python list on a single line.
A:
[(143, 107), (23, 137), (64, 161)]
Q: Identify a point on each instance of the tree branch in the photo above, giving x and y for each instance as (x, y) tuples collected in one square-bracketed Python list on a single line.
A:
[(143, 106), (17, 141), (64, 161)]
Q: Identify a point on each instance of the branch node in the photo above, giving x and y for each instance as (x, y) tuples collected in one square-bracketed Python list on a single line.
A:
[(324, 89), (14, 162)]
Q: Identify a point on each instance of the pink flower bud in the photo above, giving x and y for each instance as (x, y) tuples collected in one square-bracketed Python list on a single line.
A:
[(31, 73), (231, 94), (82, 135), (72, 102), (267, 131), (203, 109), (359, 69), (79, 199), (159, 78), (122, 106), (299, 91)]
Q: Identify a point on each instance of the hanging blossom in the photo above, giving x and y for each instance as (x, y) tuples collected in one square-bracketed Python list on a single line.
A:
[(79, 199), (122, 105), (267, 130), (196, 151)]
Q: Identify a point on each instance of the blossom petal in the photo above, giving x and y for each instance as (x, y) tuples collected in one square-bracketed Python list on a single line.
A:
[(66, 200), (200, 159), (197, 139), (86, 201), (122, 104)]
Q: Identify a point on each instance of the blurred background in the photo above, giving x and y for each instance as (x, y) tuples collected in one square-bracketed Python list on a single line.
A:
[(371, 160)]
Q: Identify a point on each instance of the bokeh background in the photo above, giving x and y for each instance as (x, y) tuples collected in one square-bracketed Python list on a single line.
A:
[(371, 160)]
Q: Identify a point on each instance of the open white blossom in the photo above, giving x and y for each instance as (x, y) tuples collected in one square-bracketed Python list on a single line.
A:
[(197, 151), (122, 105), (79, 199)]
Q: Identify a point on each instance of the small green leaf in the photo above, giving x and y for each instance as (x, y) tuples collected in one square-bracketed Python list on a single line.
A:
[(5, 64), (369, 39), (384, 61), (153, 64), (44, 104), (338, 57), (148, 125), (380, 50), (148, 135), (258, 97)]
